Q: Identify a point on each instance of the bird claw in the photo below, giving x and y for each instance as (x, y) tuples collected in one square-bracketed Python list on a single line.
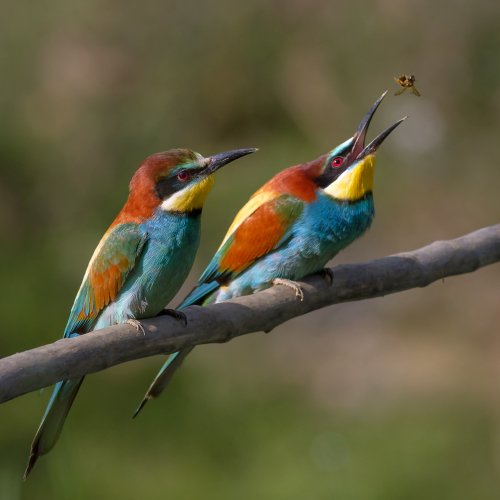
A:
[(328, 274), (290, 284), (179, 315), (137, 325)]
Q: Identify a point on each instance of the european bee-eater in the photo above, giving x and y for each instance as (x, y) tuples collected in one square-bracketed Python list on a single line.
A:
[(291, 227), (140, 262)]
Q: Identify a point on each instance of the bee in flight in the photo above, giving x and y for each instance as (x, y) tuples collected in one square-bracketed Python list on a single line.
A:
[(406, 82)]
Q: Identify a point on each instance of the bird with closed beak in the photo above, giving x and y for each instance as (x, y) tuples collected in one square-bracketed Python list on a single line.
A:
[(140, 262)]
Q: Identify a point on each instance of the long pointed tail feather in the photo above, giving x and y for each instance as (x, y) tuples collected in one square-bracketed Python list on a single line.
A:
[(50, 428), (163, 377), (197, 296)]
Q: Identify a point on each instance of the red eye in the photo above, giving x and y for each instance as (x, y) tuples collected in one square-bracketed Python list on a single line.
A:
[(183, 175), (337, 161)]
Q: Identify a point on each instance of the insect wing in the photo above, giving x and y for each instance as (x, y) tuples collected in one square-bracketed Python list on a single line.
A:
[(415, 91)]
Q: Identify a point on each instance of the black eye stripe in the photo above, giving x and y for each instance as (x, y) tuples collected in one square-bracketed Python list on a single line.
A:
[(165, 187), (331, 172), (169, 185)]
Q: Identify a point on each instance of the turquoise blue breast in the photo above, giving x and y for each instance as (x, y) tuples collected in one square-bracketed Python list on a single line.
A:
[(160, 270), (325, 227)]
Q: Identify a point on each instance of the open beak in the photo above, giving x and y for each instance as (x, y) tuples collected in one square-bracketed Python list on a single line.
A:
[(217, 161), (373, 146), (359, 150)]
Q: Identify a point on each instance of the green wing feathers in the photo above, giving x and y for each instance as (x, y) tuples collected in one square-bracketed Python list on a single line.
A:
[(113, 259)]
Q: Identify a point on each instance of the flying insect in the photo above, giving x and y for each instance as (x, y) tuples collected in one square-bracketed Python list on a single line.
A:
[(406, 82)]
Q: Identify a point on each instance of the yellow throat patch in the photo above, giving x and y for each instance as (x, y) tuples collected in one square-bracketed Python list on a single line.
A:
[(190, 198), (355, 182)]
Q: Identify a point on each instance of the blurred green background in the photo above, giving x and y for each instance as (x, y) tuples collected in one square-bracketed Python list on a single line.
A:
[(393, 398)]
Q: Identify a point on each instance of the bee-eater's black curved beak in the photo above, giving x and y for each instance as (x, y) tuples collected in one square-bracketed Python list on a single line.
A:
[(373, 146), (360, 135), (217, 161)]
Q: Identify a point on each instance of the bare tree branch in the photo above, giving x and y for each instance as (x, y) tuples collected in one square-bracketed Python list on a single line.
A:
[(71, 358)]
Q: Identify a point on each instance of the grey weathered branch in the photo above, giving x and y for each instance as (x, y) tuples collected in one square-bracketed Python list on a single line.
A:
[(70, 358)]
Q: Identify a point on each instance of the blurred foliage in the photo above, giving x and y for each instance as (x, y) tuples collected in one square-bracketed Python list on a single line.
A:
[(386, 399)]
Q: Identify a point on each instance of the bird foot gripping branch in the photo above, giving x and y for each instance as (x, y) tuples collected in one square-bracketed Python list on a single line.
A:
[(327, 273), (137, 325), (299, 293), (174, 313)]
